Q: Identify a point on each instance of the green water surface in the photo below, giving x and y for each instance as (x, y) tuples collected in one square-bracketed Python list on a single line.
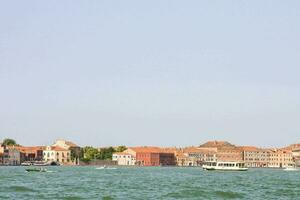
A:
[(147, 183)]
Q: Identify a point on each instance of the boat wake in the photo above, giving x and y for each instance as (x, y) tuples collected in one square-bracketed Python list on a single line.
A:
[(105, 168)]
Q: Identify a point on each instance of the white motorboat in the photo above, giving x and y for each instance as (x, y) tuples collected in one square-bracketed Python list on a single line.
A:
[(225, 166), (291, 169)]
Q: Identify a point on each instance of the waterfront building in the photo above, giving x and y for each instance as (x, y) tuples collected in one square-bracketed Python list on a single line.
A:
[(193, 156), (74, 148), (295, 148), (57, 154), (31, 153), (123, 158), (225, 151), (11, 156), (296, 156), (233, 154), (152, 156), (256, 157), (280, 158)]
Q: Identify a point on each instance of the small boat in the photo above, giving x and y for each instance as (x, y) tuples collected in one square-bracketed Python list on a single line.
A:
[(36, 170), (40, 163), (225, 166), (26, 164), (102, 167), (291, 169)]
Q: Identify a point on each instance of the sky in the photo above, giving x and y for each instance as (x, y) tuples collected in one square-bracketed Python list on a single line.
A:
[(166, 73)]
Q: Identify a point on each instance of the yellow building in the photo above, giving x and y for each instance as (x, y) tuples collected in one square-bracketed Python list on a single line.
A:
[(281, 158), (57, 154)]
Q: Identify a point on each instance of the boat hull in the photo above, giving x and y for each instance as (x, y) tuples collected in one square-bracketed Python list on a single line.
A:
[(223, 169), (36, 170)]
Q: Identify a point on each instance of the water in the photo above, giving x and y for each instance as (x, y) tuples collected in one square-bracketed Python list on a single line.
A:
[(147, 183)]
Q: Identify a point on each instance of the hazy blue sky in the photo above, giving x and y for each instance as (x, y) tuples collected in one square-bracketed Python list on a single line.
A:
[(150, 72)]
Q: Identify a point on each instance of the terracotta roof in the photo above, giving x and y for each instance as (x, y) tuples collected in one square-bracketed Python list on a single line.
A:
[(292, 147), (148, 149), (248, 148), (198, 150), (216, 144), (30, 149), (57, 148)]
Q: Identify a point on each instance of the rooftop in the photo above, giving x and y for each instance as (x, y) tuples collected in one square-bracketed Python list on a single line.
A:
[(149, 149), (217, 144)]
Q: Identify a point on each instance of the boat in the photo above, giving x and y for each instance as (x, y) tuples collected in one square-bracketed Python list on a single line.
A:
[(36, 170), (40, 163), (26, 164), (225, 166), (291, 168)]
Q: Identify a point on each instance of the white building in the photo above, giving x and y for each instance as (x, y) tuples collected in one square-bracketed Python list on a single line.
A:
[(57, 154), (123, 158)]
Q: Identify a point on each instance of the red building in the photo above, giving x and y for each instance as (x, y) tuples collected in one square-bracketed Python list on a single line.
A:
[(152, 156), (31, 153)]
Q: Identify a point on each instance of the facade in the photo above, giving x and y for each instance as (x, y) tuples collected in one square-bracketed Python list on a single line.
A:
[(152, 156), (74, 148), (281, 158), (256, 157), (30, 154), (230, 154), (57, 154), (296, 156), (11, 156), (193, 156), (295, 148), (225, 151), (123, 158)]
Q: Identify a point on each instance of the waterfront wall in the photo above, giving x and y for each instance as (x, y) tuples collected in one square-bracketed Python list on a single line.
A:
[(98, 162)]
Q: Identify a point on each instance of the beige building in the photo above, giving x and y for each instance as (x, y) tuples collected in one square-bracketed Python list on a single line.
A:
[(124, 158), (74, 148), (295, 148), (256, 157), (57, 154), (193, 156), (296, 156), (281, 158), (225, 150)]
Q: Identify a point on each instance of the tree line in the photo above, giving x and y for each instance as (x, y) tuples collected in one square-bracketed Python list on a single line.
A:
[(89, 153)]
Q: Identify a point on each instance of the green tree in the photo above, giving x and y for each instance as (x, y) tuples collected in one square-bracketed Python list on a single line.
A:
[(90, 153), (73, 155), (121, 148), (9, 142), (106, 153)]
